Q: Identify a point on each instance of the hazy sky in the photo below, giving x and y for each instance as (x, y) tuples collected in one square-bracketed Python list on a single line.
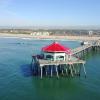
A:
[(49, 12)]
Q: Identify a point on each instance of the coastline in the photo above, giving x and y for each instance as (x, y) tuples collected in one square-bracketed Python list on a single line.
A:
[(52, 37)]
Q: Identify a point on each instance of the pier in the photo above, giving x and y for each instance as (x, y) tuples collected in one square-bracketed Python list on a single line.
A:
[(87, 47), (60, 61)]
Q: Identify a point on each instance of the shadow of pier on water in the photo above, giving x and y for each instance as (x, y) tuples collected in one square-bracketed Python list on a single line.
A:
[(26, 70)]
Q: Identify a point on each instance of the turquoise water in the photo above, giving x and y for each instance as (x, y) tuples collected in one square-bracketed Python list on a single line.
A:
[(17, 82)]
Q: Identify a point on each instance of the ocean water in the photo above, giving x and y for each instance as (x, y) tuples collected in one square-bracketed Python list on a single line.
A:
[(17, 82)]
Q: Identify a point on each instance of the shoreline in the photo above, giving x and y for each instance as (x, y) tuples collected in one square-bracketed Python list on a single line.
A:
[(52, 37)]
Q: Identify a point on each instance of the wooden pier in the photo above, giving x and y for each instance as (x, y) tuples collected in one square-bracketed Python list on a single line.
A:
[(81, 48), (64, 67), (84, 48)]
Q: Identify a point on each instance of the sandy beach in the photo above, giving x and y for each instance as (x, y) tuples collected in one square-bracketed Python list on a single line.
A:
[(52, 37)]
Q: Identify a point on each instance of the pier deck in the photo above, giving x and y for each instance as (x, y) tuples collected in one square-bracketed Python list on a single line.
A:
[(49, 62)]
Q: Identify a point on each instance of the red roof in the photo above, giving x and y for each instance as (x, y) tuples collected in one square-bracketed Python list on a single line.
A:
[(56, 47)]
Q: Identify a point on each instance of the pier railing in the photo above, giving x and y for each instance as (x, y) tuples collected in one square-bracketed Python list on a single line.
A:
[(84, 47), (81, 48)]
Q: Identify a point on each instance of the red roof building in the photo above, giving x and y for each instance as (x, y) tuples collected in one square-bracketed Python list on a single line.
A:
[(56, 51), (55, 47)]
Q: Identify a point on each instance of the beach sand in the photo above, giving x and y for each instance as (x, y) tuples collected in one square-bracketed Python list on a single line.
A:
[(52, 37)]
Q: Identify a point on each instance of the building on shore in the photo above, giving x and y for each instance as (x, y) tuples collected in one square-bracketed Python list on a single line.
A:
[(40, 33), (90, 33)]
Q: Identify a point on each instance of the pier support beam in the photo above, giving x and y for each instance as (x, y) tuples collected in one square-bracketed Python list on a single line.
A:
[(79, 70), (51, 71), (74, 68), (41, 72), (71, 70), (57, 72), (66, 70), (84, 70), (46, 70), (62, 70)]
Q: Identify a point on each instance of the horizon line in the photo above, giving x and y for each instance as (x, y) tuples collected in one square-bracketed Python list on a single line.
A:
[(51, 26)]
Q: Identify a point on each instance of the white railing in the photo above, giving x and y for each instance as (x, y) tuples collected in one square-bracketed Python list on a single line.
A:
[(81, 48)]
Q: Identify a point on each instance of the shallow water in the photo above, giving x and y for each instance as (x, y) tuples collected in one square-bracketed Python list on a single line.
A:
[(17, 82)]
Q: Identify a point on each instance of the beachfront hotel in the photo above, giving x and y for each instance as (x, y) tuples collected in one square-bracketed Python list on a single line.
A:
[(40, 33)]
